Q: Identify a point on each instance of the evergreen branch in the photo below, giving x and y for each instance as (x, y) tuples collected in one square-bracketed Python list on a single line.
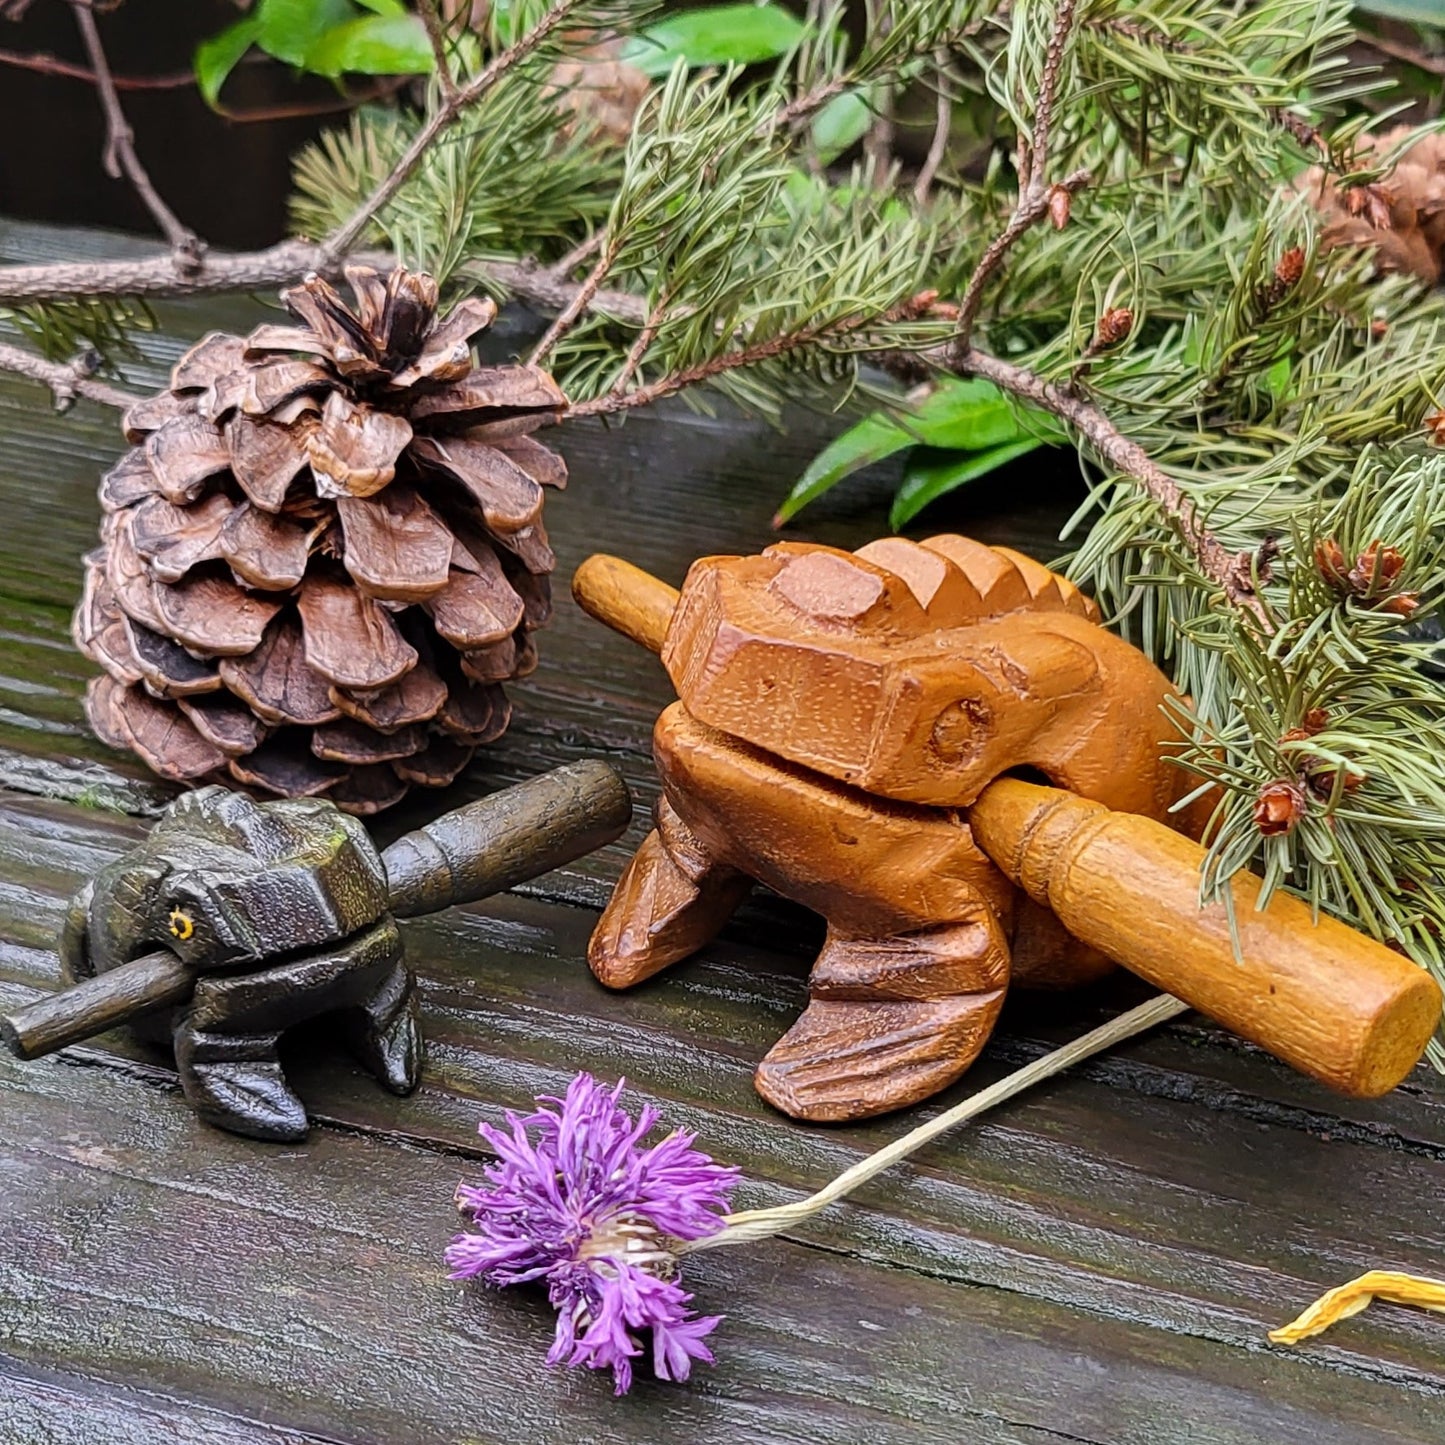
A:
[(823, 333), (345, 236), (66, 381), (1229, 571), (119, 157)]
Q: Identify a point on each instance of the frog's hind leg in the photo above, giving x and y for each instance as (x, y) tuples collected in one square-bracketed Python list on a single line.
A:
[(234, 1081), (890, 1020), (384, 1032), (673, 898)]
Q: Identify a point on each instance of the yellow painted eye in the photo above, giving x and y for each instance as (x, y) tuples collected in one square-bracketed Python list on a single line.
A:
[(181, 925)]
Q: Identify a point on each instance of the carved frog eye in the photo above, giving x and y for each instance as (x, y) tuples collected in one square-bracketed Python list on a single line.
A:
[(181, 924)]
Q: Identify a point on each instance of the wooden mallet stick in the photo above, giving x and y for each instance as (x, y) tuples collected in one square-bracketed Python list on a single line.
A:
[(1319, 995)]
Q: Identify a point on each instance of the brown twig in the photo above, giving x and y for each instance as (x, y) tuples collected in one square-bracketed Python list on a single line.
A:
[(119, 157), (437, 38), (293, 110), (66, 380), (1399, 50), (938, 147), (1229, 571), (1032, 207), (44, 64), (580, 301), (638, 350), (582, 251), (1033, 197)]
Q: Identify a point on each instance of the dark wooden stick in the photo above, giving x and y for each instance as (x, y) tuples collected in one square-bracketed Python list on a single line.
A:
[(485, 848), (103, 1002), (502, 840)]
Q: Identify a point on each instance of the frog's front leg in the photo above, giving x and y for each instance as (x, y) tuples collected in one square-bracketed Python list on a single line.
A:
[(891, 1019), (675, 896), (227, 1037)]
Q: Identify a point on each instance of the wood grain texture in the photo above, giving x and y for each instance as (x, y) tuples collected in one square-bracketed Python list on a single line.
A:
[(1098, 1263)]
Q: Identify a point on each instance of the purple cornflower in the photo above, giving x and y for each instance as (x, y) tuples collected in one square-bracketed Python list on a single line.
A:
[(586, 1208)]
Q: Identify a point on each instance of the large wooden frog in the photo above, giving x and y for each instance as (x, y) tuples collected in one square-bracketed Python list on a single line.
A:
[(839, 713)]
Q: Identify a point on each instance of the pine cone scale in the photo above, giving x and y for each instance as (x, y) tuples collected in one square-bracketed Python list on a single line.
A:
[(166, 669), (349, 639), (417, 698), (224, 722), (508, 497), (397, 548), (265, 458), (354, 451), (212, 616), (174, 539), (277, 683), (265, 551), (183, 454)]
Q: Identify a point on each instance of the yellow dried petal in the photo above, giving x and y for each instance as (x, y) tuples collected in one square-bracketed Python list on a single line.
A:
[(1350, 1299)]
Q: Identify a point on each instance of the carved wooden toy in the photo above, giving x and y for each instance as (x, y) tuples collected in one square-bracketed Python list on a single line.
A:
[(236, 919), (867, 734)]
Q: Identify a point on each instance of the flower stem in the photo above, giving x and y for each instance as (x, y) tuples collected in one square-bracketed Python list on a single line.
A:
[(755, 1224)]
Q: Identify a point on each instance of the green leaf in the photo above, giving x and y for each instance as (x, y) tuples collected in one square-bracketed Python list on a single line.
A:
[(373, 45), (871, 440), (289, 28), (843, 122), (386, 7), (1420, 12), (1277, 378), (971, 415), (217, 57), (925, 482), (715, 35)]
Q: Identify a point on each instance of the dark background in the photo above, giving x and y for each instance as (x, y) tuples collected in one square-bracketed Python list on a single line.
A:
[(226, 179)]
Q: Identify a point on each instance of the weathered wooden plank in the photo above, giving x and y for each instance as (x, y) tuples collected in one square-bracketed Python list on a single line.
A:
[(302, 1288), (46, 1409), (1094, 1193)]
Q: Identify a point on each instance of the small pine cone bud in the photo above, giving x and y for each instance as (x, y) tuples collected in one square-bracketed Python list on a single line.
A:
[(1289, 268), (1376, 570), (1060, 202), (1279, 807), (1434, 425), (1330, 560), (1114, 326), (1316, 720), (1321, 781), (1405, 604), (1372, 201)]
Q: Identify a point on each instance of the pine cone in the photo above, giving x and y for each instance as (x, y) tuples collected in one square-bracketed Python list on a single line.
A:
[(324, 554), (1402, 216)]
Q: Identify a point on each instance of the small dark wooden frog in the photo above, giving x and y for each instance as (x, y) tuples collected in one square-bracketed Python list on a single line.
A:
[(235, 920), (281, 910)]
